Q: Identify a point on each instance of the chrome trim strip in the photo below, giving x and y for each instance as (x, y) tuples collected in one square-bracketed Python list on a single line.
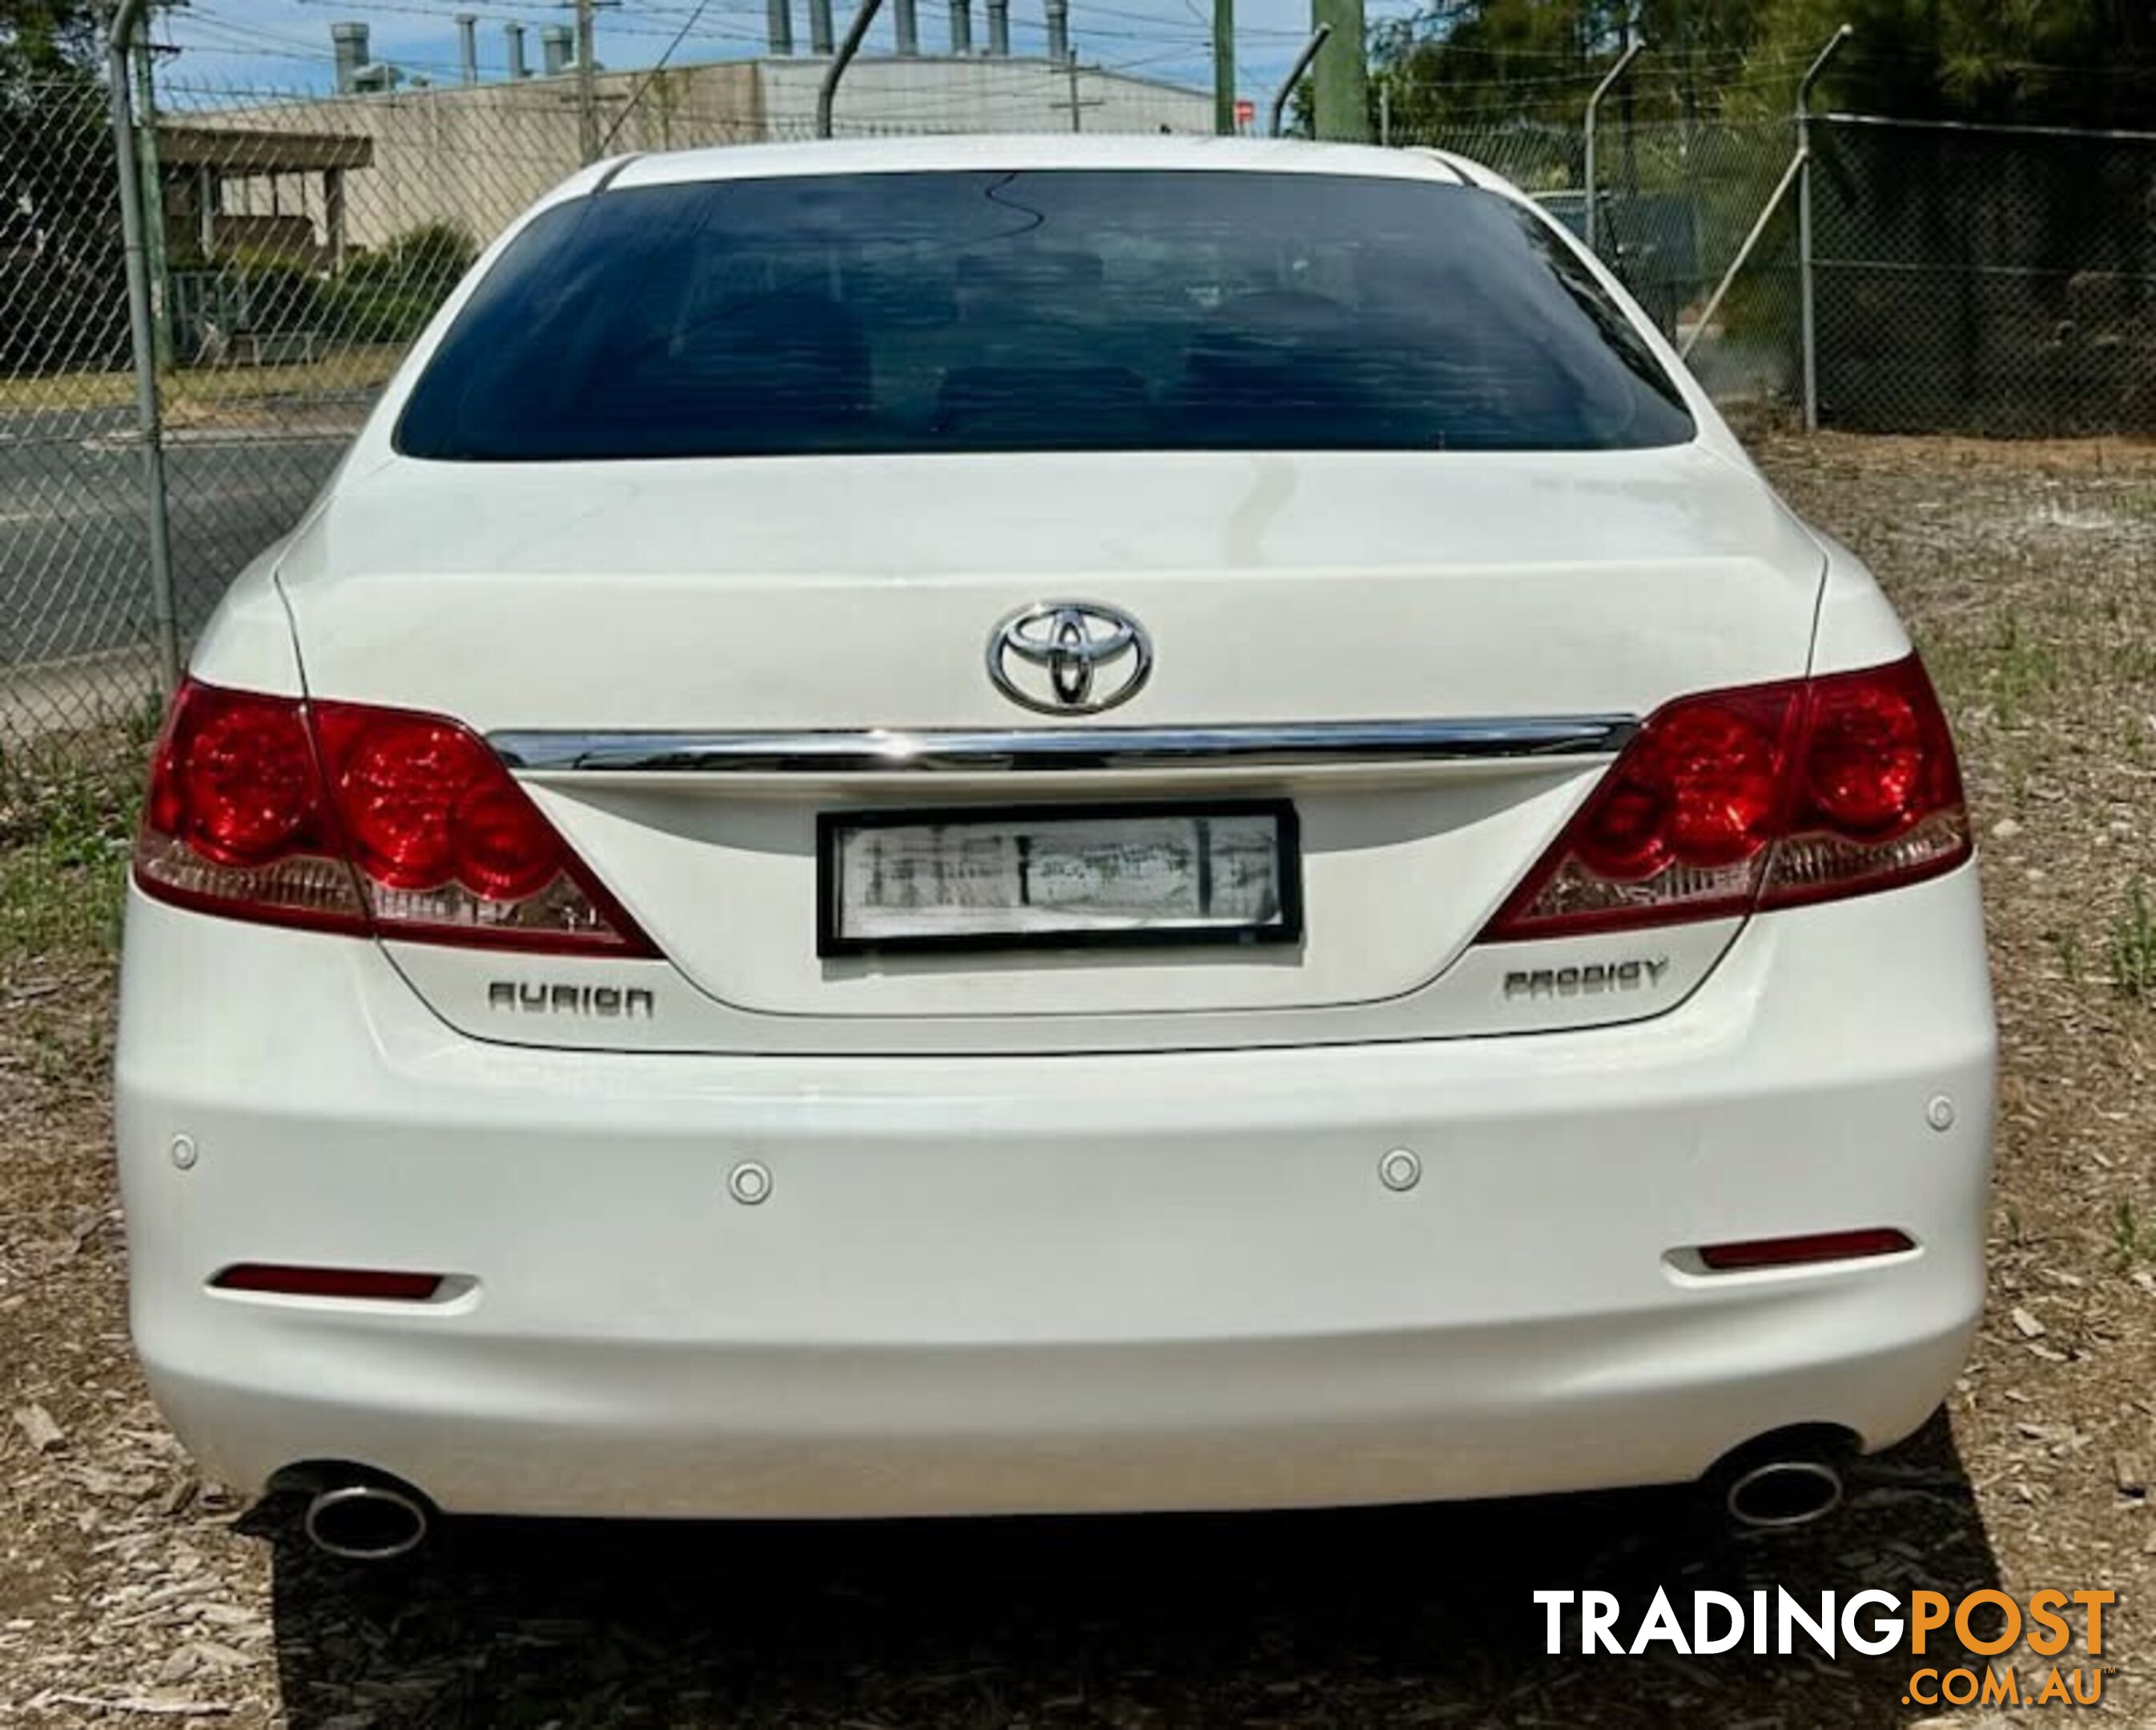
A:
[(1026, 750)]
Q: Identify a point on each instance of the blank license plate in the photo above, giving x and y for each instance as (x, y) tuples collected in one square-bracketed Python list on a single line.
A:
[(1052, 877)]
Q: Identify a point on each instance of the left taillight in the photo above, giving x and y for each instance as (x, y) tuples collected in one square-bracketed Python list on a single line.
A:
[(347, 817), (236, 822)]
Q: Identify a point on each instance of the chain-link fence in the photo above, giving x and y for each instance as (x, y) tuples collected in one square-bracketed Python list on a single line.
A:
[(75, 606), (1549, 161), (1674, 204), (1984, 279), (296, 244), (1978, 279)]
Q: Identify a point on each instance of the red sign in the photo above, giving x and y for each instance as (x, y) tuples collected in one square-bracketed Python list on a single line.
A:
[(1245, 110)]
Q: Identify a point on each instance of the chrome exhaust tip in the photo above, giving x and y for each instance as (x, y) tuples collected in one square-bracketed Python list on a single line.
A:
[(1780, 1495), (368, 1520)]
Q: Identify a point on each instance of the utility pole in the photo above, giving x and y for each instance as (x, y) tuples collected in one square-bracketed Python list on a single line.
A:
[(1341, 90), (587, 94), (1223, 67), (1076, 104)]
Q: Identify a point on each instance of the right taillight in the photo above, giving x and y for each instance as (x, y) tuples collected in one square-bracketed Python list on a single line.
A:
[(1877, 800), (1767, 795), (346, 817)]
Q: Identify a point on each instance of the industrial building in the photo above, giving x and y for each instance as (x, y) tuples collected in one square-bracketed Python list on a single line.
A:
[(388, 154)]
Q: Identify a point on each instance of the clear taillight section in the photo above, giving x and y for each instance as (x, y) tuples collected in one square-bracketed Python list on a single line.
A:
[(1770, 795), (344, 817)]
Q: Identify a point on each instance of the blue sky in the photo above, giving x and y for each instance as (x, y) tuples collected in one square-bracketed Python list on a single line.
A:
[(285, 44)]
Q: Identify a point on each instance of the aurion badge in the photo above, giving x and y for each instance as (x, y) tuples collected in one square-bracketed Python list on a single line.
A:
[(1069, 657)]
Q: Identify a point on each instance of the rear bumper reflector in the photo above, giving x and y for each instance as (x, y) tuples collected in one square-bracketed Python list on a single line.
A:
[(1793, 1251), (368, 1283)]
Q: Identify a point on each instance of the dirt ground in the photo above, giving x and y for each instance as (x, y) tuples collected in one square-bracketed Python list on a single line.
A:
[(132, 1592)]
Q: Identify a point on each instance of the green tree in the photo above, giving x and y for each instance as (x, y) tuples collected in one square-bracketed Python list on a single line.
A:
[(2080, 63), (2076, 63), (1477, 61), (46, 39), (387, 296), (60, 242)]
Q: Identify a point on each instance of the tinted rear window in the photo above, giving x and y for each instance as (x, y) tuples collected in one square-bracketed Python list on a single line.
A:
[(1058, 310)]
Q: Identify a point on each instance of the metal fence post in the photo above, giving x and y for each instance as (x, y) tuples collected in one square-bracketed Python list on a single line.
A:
[(1277, 117), (153, 200), (143, 342), (1594, 109), (1743, 254), (827, 92), (1808, 336)]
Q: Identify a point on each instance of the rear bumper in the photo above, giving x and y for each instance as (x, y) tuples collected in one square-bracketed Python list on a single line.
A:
[(1052, 1283)]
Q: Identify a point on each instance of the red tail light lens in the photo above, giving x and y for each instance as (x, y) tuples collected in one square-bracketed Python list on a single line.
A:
[(345, 816), (1880, 801), (399, 783), (1766, 796), (252, 772), (236, 821), (1866, 756)]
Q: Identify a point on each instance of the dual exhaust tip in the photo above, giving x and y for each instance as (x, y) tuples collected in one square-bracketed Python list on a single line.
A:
[(1777, 1483)]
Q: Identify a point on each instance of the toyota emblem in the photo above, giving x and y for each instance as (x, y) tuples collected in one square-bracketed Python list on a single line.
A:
[(1069, 657)]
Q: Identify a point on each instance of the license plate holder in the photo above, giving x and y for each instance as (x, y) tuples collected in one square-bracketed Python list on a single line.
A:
[(986, 877)]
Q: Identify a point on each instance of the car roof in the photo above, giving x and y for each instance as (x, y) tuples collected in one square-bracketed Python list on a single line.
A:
[(1037, 150)]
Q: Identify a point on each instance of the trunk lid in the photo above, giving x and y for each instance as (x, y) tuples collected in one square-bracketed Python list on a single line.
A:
[(786, 595)]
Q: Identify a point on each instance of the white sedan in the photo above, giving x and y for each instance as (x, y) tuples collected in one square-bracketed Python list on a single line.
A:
[(964, 825)]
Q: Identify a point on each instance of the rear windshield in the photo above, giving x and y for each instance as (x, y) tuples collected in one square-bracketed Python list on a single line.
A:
[(1061, 310)]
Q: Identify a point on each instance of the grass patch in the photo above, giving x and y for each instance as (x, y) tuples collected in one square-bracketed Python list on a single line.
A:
[(2022, 669), (2067, 946), (65, 829), (2133, 1238), (2133, 945), (342, 370)]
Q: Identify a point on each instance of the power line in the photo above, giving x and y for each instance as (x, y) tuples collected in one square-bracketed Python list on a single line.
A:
[(493, 10), (251, 38), (644, 84)]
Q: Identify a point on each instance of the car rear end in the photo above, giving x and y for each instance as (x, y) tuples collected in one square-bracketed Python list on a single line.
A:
[(1123, 825)]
